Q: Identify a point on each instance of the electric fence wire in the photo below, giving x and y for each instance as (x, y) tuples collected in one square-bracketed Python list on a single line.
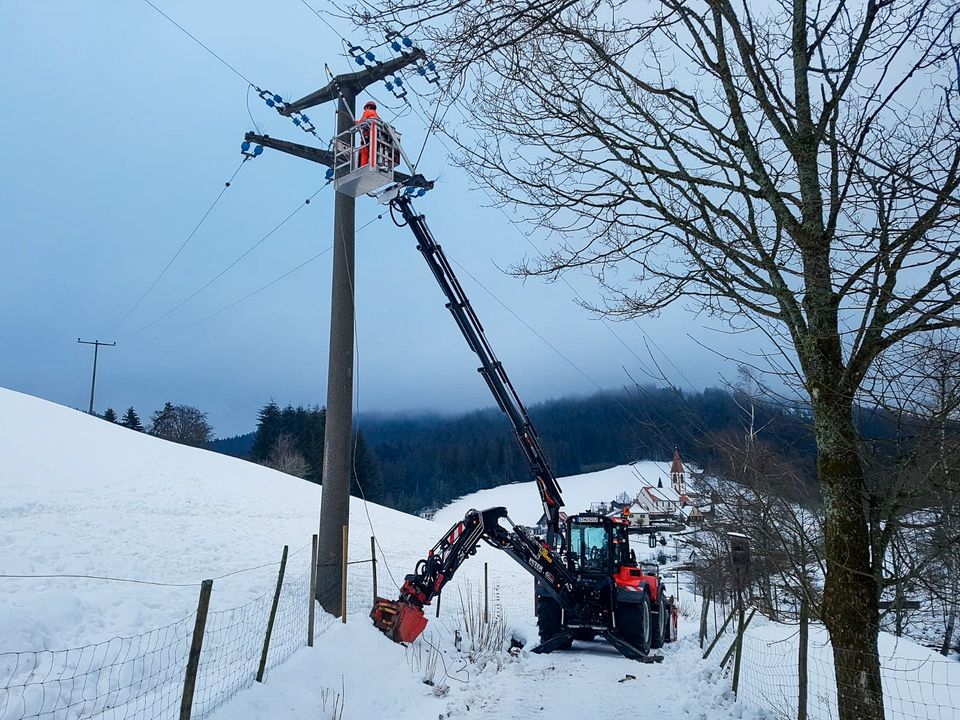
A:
[(229, 267), (136, 581), (180, 249)]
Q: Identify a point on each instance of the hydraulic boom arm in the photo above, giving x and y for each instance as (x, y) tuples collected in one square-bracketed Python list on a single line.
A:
[(403, 620), (491, 368)]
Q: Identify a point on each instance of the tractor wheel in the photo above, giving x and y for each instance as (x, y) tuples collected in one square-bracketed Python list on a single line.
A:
[(584, 634), (634, 623), (660, 632), (550, 619)]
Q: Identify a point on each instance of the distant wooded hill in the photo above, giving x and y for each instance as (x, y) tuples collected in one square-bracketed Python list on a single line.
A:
[(415, 463)]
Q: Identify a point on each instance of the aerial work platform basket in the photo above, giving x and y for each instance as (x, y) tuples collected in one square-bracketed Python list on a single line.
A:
[(364, 157)]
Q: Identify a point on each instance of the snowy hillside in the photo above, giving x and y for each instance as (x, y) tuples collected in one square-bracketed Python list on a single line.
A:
[(82, 497), (79, 496)]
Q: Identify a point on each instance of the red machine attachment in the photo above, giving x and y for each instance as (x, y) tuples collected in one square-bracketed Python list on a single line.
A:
[(399, 621)]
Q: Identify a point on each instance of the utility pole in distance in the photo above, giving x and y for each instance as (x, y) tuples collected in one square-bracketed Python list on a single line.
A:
[(338, 436), (96, 350)]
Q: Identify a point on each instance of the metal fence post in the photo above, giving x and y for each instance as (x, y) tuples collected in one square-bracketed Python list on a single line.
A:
[(193, 662), (486, 593), (373, 564), (802, 660), (273, 615), (312, 612), (343, 575)]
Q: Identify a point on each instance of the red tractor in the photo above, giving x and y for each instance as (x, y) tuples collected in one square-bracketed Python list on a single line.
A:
[(587, 578)]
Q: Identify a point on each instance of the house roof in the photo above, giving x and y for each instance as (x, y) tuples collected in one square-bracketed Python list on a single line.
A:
[(663, 494)]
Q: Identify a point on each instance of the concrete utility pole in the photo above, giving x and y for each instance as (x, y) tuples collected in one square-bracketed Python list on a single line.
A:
[(338, 438), (96, 350)]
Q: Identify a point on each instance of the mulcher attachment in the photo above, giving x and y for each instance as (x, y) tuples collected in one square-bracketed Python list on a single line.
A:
[(399, 621)]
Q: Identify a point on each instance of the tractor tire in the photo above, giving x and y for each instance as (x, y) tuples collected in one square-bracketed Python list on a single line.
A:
[(584, 634), (634, 622), (550, 620), (660, 631)]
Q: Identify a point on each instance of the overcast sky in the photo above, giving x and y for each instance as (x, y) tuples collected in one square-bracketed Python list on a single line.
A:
[(118, 132)]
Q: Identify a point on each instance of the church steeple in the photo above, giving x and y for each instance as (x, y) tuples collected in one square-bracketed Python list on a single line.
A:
[(677, 474)]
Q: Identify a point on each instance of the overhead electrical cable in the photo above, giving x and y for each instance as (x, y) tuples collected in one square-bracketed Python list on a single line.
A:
[(246, 297), (193, 232), (229, 267), (201, 44)]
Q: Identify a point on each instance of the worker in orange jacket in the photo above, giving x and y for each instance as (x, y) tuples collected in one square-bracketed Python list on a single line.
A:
[(369, 111)]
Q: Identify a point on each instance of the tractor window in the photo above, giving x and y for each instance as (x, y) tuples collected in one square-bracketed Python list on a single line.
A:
[(590, 548)]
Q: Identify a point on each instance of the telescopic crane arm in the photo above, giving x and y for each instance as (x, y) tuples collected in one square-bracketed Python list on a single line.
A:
[(491, 368), (403, 619)]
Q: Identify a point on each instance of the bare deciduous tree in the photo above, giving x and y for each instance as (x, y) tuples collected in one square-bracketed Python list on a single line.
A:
[(792, 167), (285, 457), (182, 424)]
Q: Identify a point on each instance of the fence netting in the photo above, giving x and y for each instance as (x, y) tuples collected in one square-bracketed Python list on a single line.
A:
[(141, 677), (125, 677), (917, 685)]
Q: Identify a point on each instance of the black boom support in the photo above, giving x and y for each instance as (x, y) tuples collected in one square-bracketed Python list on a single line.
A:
[(491, 368)]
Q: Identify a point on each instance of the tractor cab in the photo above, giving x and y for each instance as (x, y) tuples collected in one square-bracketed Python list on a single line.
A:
[(596, 545), (365, 157)]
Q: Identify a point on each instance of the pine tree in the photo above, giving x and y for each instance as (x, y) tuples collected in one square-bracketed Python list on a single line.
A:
[(268, 430), (132, 420), (110, 415)]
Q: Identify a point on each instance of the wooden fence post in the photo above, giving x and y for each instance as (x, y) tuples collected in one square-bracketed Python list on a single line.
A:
[(733, 645), (343, 575), (373, 564), (802, 660), (193, 662), (312, 612), (739, 644), (486, 595), (703, 618), (719, 634), (273, 615)]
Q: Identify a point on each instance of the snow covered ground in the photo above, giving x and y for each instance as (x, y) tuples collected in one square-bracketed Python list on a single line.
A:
[(81, 497)]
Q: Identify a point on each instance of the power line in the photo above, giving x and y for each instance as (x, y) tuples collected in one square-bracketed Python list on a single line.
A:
[(201, 44), (230, 266), (323, 20), (182, 246), (255, 292)]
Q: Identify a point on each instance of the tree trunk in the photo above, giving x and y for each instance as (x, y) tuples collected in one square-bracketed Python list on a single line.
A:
[(948, 636), (850, 594)]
